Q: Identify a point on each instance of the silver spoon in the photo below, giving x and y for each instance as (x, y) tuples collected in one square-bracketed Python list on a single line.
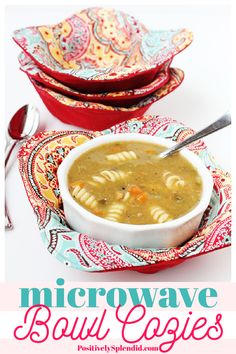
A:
[(220, 123), (23, 124)]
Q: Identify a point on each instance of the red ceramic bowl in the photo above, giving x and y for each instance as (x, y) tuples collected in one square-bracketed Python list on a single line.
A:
[(95, 116), (121, 98), (100, 50)]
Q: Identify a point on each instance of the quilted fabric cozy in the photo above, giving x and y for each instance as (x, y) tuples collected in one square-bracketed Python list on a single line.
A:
[(39, 159)]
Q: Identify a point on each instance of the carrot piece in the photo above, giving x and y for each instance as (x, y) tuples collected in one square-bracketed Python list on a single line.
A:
[(151, 152), (135, 190), (99, 212), (142, 197), (115, 148), (77, 183)]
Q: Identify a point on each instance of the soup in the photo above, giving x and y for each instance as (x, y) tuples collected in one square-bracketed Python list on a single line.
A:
[(127, 182)]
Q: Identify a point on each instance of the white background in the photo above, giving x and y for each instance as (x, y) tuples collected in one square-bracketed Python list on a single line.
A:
[(203, 96)]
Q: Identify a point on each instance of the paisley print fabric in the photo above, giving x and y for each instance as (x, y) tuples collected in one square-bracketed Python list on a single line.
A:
[(100, 44), (39, 159), (175, 79), (34, 72)]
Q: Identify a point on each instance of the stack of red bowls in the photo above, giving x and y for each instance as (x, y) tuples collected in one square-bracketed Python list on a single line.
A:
[(100, 66)]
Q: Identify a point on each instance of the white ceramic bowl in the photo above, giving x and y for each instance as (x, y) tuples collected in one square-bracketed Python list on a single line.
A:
[(169, 234)]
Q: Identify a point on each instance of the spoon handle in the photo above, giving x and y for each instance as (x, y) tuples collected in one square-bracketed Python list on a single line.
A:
[(220, 123), (8, 150), (8, 223)]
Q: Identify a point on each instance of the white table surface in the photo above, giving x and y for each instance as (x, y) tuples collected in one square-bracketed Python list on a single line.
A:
[(203, 96)]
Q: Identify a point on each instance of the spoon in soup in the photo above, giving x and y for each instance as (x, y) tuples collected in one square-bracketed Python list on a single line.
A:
[(22, 125), (220, 123)]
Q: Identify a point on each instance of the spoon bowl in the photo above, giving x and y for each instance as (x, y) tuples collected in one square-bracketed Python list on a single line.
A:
[(24, 123)]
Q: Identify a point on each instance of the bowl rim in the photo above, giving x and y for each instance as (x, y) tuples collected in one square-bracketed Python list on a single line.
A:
[(207, 181)]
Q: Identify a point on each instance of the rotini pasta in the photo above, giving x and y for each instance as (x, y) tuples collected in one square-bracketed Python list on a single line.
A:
[(115, 212), (113, 175), (108, 175), (159, 215), (86, 198), (122, 156), (130, 185), (99, 179), (122, 196), (126, 196), (172, 181)]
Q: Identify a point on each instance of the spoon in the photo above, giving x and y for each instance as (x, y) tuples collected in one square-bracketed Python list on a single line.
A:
[(220, 123), (23, 124)]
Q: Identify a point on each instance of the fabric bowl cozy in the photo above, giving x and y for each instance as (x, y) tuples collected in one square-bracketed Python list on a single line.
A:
[(97, 116), (98, 50), (39, 159), (120, 98)]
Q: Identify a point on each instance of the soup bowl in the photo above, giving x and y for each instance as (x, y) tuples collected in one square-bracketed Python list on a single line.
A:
[(169, 234)]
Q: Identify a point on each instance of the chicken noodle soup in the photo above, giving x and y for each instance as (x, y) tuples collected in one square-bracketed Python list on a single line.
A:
[(127, 182)]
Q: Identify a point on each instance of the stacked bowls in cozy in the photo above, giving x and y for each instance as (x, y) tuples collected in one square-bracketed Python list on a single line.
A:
[(100, 66)]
